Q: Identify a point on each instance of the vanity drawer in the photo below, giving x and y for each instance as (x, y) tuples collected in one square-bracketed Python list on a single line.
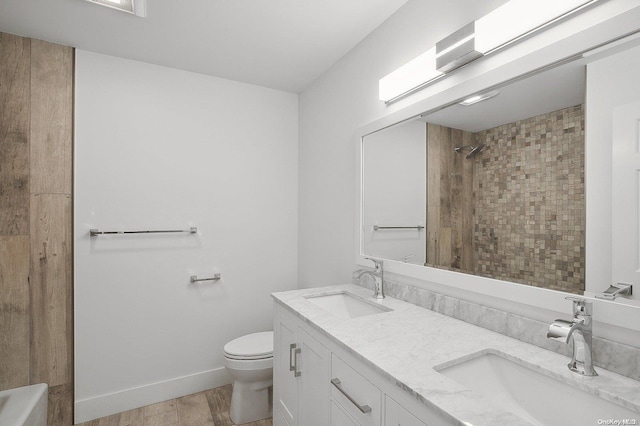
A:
[(339, 417), (397, 415), (359, 397)]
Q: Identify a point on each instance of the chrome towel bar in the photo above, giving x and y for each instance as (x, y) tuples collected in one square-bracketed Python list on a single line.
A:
[(96, 232), (195, 279), (377, 228)]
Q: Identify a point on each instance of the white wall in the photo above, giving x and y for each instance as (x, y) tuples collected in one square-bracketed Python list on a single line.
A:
[(395, 192), (343, 104), (158, 148), (331, 111), (611, 82)]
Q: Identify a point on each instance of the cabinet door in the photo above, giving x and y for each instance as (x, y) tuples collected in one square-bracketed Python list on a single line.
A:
[(314, 364), (278, 419), (285, 384), (405, 418), (397, 415), (391, 408)]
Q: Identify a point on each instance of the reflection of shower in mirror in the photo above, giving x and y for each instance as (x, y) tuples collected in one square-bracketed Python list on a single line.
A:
[(474, 150)]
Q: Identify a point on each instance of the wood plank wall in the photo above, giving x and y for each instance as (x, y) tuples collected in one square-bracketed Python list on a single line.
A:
[(36, 275), (449, 199)]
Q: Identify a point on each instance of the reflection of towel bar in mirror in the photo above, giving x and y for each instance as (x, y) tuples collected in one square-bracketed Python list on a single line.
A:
[(195, 279), (377, 228), (616, 290), (96, 232)]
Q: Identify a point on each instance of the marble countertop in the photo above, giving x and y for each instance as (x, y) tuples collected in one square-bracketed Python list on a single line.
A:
[(422, 339)]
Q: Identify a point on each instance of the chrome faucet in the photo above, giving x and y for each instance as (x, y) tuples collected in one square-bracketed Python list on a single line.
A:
[(377, 275), (579, 332), (407, 257)]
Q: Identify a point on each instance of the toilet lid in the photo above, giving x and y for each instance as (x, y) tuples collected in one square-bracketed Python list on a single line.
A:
[(251, 346)]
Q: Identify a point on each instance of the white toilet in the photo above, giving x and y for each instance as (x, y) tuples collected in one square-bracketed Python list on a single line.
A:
[(249, 359)]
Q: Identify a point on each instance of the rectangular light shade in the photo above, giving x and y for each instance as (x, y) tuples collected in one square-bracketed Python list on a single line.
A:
[(409, 76), (518, 17)]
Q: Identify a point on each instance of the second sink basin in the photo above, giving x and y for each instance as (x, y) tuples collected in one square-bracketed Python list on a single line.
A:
[(346, 305), (532, 395)]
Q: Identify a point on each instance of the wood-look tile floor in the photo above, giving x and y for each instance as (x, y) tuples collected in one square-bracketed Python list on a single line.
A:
[(208, 408)]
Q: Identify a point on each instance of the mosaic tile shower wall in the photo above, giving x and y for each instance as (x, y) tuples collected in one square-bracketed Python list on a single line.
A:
[(529, 201)]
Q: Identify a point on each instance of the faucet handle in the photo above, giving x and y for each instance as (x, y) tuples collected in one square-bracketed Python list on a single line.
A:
[(580, 306), (376, 262)]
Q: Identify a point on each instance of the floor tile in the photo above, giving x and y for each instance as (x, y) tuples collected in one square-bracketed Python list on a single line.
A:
[(219, 399), (193, 410), (168, 418), (208, 408), (160, 407)]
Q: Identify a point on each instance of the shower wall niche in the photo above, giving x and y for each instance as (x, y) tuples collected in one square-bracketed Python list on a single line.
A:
[(515, 211)]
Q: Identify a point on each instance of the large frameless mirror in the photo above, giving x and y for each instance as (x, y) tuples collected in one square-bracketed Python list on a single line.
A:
[(492, 186)]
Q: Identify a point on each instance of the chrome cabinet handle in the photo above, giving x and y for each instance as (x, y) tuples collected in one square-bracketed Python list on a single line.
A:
[(293, 359), (296, 352), (292, 366), (364, 409)]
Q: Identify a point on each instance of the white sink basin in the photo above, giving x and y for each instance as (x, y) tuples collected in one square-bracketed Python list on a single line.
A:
[(346, 305), (532, 395)]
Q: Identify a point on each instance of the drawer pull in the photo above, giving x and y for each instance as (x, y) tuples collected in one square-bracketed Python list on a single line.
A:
[(364, 409)]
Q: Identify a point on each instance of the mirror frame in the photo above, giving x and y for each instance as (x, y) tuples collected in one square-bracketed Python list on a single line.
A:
[(604, 25)]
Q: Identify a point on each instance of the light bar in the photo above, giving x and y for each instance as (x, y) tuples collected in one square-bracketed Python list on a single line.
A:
[(504, 25), (409, 76), (519, 17)]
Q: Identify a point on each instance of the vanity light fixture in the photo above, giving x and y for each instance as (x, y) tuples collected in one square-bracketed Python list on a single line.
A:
[(518, 18), (410, 75), (457, 49), (508, 23), (134, 7), (479, 98)]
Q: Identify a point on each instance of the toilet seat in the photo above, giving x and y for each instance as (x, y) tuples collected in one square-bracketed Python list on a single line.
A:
[(248, 364), (254, 346)]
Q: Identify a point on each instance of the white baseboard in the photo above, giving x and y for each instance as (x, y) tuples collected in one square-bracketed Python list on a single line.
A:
[(128, 399)]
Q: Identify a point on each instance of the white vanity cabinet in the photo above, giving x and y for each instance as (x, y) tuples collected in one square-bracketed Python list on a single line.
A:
[(319, 383), (300, 377)]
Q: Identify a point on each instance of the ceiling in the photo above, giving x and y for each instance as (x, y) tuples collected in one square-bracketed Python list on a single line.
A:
[(548, 91), (281, 44)]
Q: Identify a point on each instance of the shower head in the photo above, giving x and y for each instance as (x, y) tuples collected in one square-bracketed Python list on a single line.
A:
[(473, 150)]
